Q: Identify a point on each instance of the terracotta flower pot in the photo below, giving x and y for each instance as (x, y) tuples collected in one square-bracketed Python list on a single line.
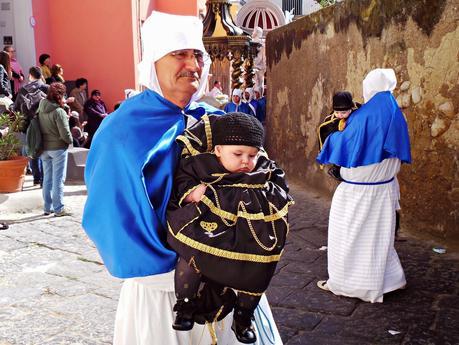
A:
[(12, 174)]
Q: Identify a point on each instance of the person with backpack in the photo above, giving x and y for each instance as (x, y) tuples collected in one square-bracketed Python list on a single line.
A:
[(27, 100), (56, 138)]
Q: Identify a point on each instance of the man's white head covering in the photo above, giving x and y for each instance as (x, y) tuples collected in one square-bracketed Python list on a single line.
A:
[(164, 33), (378, 80), (249, 90), (237, 92)]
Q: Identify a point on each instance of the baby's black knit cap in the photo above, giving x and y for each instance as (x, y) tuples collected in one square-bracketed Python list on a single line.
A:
[(237, 129), (342, 101)]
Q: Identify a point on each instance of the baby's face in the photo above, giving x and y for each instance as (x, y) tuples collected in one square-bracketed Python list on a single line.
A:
[(237, 158), (343, 114)]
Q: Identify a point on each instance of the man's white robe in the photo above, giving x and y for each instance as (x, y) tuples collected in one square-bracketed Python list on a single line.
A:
[(362, 261)]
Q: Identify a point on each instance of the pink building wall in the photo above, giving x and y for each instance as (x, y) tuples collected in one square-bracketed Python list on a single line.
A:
[(98, 39), (91, 39)]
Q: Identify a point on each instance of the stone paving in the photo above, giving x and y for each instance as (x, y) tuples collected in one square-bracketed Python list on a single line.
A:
[(53, 286), (427, 312), (55, 290)]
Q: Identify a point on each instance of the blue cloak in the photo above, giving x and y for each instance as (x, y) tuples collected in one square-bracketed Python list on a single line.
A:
[(198, 109), (129, 175), (242, 107), (374, 132)]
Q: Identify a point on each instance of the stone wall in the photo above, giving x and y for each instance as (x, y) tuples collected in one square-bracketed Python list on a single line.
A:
[(332, 50)]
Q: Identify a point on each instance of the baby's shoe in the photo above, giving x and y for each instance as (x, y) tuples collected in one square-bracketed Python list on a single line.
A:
[(184, 308), (242, 326)]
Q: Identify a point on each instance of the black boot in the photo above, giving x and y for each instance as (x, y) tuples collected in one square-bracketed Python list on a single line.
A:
[(185, 308), (242, 326)]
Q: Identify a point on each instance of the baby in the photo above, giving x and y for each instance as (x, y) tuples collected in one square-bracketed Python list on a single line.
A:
[(343, 106), (227, 217)]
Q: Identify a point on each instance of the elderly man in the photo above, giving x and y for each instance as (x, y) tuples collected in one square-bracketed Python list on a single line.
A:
[(129, 176)]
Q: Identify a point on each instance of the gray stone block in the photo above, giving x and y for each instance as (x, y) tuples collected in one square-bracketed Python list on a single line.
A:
[(76, 163)]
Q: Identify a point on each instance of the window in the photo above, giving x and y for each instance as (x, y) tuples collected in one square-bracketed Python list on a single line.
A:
[(287, 5), (5, 6)]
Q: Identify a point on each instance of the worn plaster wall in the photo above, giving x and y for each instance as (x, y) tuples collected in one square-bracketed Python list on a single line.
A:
[(333, 49)]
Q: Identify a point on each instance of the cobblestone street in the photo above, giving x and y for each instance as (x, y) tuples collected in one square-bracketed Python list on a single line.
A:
[(427, 312), (55, 290)]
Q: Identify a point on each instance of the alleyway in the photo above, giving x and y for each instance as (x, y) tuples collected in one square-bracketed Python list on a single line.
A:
[(54, 289), (427, 312)]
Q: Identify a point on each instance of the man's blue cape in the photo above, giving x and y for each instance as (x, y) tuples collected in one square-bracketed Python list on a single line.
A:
[(242, 107), (374, 132), (129, 175)]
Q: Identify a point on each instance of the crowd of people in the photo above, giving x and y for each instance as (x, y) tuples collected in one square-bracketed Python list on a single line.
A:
[(189, 192), (250, 101), (65, 118)]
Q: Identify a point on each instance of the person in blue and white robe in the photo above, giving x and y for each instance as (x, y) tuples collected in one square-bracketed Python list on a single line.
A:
[(237, 105), (251, 101), (362, 261), (129, 175)]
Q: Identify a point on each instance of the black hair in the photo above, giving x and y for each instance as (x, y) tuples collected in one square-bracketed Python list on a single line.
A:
[(95, 92), (43, 58), (35, 72), (80, 81)]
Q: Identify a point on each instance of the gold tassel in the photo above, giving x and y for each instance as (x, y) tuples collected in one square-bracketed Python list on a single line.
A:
[(211, 326)]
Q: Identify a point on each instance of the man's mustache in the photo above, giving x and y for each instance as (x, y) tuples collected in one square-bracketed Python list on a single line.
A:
[(189, 75)]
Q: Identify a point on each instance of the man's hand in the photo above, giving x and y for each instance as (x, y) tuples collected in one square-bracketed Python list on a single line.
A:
[(196, 195)]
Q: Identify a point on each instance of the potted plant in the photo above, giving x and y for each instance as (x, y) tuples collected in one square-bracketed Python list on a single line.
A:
[(12, 164)]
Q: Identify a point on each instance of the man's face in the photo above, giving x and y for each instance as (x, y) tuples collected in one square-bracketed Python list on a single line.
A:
[(237, 158), (83, 87), (246, 95), (236, 99), (179, 75), (96, 97), (257, 95)]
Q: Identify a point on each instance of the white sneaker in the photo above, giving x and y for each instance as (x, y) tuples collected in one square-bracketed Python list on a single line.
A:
[(62, 213)]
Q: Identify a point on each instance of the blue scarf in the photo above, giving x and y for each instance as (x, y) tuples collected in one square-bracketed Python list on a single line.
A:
[(198, 109), (129, 175), (374, 132)]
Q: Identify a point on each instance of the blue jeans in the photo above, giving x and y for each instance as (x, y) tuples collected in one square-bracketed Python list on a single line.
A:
[(37, 170), (54, 171)]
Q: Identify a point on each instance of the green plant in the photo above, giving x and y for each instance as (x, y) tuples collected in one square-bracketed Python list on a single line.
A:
[(10, 145), (325, 3)]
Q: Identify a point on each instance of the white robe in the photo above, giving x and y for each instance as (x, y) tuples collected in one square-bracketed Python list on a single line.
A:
[(362, 261), (144, 317)]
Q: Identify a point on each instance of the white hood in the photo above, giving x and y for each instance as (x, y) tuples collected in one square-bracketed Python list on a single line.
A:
[(163, 33), (378, 80)]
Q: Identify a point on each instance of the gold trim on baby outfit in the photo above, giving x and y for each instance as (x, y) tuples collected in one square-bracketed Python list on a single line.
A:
[(221, 252)]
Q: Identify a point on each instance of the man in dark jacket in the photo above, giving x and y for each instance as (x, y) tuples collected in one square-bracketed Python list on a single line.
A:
[(22, 104), (26, 102), (96, 111)]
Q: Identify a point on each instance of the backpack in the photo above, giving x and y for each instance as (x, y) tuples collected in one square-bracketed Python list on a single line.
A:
[(28, 104), (34, 139)]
